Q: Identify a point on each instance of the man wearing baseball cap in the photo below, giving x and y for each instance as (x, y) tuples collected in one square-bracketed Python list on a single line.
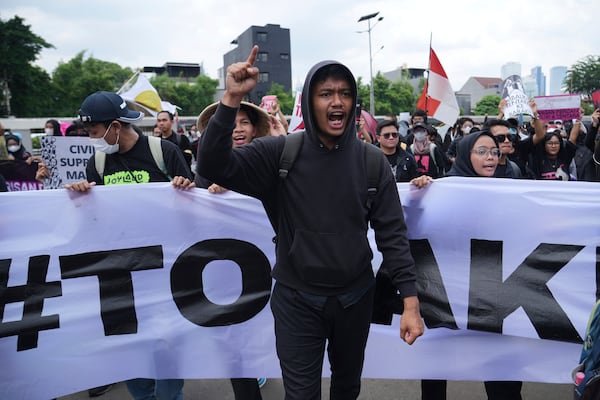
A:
[(127, 158), (126, 151)]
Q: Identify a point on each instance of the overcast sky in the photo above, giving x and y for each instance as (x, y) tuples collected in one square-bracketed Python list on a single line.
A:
[(471, 38)]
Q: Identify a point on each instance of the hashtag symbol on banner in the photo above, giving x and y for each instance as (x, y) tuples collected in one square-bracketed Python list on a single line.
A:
[(32, 295)]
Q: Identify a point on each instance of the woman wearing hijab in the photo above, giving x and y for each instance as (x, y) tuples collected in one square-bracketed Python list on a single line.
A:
[(15, 148), (477, 156)]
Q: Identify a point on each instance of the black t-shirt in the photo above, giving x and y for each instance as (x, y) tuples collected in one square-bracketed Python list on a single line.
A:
[(184, 145), (543, 166), (138, 166)]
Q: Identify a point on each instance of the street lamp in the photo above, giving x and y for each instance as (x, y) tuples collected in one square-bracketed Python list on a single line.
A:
[(372, 91)]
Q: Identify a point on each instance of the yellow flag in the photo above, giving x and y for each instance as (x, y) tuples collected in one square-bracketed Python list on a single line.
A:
[(144, 94)]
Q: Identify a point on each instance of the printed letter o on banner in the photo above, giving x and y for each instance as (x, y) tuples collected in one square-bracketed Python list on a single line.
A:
[(188, 293)]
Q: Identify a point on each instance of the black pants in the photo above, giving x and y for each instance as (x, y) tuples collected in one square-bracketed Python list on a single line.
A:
[(301, 331), (246, 389), (496, 390)]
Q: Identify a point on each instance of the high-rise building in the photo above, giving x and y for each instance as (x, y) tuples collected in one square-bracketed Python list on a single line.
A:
[(540, 79), (530, 86), (510, 68), (274, 59), (557, 77)]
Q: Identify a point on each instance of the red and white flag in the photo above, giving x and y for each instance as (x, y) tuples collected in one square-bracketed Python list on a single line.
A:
[(438, 98), (296, 122)]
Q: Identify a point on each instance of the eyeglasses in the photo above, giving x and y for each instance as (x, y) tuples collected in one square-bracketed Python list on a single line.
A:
[(557, 122), (387, 135), (503, 137), (553, 143), (484, 151)]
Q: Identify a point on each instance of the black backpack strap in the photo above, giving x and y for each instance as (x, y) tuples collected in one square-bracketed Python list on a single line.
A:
[(292, 146), (373, 162)]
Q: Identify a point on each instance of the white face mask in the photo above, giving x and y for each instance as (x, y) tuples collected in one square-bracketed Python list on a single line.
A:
[(14, 149), (49, 131), (100, 144), (467, 129), (419, 136)]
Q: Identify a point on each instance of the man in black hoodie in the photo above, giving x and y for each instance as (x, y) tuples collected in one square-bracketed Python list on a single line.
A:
[(324, 278)]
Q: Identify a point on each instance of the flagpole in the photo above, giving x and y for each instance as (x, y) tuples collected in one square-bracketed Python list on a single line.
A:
[(428, 72), (136, 73)]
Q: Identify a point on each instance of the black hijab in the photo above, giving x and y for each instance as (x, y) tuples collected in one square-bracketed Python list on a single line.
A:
[(462, 164)]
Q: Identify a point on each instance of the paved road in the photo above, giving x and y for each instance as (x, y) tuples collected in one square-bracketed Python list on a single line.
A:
[(372, 389)]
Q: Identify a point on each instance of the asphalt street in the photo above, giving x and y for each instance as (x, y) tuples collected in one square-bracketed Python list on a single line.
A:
[(372, 389)]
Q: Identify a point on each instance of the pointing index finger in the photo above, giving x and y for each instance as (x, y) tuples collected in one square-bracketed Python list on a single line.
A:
[(253, 54)]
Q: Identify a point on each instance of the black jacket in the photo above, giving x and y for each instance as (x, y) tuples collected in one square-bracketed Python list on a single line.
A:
[(319, 212)]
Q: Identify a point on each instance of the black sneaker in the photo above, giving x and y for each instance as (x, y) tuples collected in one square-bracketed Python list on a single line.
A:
[(99, 391)]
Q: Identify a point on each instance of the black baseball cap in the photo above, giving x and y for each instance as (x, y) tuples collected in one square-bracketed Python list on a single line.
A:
[(107, 106)]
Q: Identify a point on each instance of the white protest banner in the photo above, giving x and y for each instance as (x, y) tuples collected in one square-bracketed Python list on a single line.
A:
[(147, 281), (517, 102), (296, 122), (563, 107), (66, 158)]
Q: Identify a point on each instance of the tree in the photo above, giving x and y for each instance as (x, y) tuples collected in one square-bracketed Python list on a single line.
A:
[(390, 97), (19, 48), (79, 77), (33, 96), (191, 97), (584, 76), (487, 105), (286, 100)]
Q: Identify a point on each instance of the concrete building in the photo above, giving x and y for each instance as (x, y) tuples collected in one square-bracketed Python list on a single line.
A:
[(412, 75), (510, 68), (180, 70), (274, 58), (557, 77), (474, 90), (540, 79), (530, 86)]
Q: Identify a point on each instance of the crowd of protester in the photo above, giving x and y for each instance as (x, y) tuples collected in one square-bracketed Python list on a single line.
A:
[(415, 151)]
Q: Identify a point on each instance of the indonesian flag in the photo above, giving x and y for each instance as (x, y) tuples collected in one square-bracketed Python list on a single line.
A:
[(438, 98), (296, 122)]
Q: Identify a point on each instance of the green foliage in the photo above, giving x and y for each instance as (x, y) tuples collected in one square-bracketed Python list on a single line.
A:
[(363, 93), (31, 93), (35, 142), (487, 105), (79, 77), (19, 47), (191, 97), (584, 76), (286, 100), (390, 97)]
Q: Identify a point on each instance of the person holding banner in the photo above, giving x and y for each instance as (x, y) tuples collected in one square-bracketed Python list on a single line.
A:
[(129, 159), (477, 156), (320, 211), (251, 122)]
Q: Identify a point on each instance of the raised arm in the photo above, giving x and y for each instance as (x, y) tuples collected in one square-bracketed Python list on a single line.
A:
[(538, 124), (590, 138), (241, 78)]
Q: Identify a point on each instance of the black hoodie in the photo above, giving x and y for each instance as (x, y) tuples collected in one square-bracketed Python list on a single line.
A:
[(319, 212)]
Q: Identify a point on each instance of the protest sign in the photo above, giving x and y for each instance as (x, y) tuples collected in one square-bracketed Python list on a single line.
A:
[(517, 102), (563, 107), (66, 158)]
